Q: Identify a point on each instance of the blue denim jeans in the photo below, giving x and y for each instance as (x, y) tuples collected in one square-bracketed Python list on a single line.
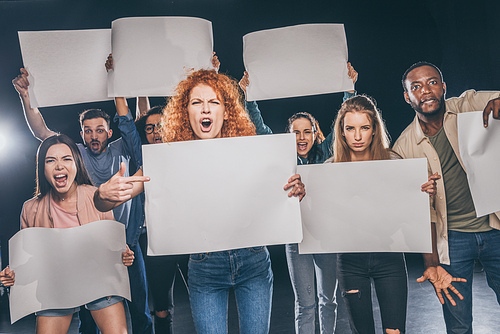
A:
[(138, 307), (388, 271), (212, 275), (465, 248), (302, 269)]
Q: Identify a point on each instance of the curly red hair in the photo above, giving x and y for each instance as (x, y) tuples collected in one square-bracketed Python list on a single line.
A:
[(176, 125)]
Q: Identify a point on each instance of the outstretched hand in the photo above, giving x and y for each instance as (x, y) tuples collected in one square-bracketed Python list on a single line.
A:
[(7, 277), (430, 186), (441, 280), (128, 257), (21, 82), (493, 106), (298, 189), (120, 188)]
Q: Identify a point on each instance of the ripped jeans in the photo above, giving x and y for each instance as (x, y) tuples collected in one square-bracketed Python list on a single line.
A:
[(388, 271)]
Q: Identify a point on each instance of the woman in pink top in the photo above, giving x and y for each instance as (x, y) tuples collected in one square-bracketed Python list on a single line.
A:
[(64, 198)]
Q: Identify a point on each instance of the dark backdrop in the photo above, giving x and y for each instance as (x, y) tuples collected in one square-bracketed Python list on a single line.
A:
[(384, 38)]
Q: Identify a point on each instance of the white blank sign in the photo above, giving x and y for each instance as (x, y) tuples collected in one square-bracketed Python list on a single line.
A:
[(152, 54), (66, 67), (65, 268), (219, 194), (372, 206), (299, 60), (480, 152)]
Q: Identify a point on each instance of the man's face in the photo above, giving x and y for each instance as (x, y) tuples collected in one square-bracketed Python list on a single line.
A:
[(95, 134), (425, 90)]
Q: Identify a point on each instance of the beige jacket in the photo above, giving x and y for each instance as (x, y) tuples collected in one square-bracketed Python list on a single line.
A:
[(414, 144), (36, 211)]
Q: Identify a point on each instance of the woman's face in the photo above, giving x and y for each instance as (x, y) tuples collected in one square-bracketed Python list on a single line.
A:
[(358, 131), (152, 128), (60, 168), (206, 112), (305, 136)]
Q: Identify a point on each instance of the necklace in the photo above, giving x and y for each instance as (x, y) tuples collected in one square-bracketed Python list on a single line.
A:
[(62, 199)]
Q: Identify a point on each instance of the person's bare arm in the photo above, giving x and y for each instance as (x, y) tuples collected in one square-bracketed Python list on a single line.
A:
[(142, 106), (353, 75), (34, 118)]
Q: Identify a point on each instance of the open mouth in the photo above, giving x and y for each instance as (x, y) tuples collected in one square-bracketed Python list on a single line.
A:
[(60, 180), (206, 124), (429, 101), (157, 139), (95, 146), (302, 146)]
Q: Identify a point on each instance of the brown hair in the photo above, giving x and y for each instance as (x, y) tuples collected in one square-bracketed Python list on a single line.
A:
[(176, 125), (379, 148), (319, 136), (42, 185)]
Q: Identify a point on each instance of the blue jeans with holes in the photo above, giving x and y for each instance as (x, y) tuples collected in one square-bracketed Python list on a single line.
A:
[(388, 271), (465, 248), (212, 275), (303, 268)]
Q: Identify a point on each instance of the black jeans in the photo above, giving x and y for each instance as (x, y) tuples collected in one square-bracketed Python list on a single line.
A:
[(388, 271)]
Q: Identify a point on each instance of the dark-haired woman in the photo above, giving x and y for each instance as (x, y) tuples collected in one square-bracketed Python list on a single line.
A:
[(64, 199), (160, 270)]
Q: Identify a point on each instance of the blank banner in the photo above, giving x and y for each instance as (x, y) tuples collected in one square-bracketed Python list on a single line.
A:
[(219, 194), (65, 268), (66, 67), (371, 206), (152, 54), (300, 60), (480, 153)]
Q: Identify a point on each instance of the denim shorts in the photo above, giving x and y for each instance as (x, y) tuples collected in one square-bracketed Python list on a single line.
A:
[(95, 305)]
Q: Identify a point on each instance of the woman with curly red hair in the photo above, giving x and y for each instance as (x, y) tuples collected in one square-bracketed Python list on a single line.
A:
[(225, 96), (207, 105)]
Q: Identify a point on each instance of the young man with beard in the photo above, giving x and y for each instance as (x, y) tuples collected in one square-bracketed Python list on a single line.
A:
[(102, 160), (459, 237)]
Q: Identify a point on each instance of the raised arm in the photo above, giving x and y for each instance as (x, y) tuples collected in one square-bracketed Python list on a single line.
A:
[(215, 62), (142, 106), (252, 109), (34, 118), (119, 189), (353, 75)]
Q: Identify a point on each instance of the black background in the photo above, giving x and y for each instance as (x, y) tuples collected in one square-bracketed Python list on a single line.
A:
[(384, 38)]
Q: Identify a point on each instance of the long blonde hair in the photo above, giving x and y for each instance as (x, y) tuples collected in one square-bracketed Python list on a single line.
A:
[(379, 148)]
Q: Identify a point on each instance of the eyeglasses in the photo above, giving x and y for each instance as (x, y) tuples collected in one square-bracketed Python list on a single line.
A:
[(149, 128)]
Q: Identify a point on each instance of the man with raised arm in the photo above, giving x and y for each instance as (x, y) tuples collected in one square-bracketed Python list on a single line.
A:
[(458, 236), (102, 160)]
